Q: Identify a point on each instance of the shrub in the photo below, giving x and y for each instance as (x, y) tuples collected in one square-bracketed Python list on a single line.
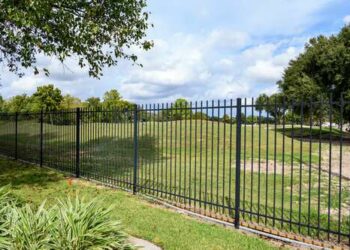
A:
[(86, 225), (5, 208), (29, 229), (70, 225)]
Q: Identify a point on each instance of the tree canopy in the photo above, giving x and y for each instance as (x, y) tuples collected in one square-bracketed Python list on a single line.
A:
[(70, 102), (47, 98), (18, 103), (320, 72), (179, 111), (93, 103), (113, 100), (274, 105), (97, 33), (322, 69)]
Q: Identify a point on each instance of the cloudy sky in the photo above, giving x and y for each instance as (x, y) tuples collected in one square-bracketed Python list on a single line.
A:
[(204, 49)]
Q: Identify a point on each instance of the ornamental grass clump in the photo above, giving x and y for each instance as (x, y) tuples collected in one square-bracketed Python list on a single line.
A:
[(29, 228), (71, 224), (86, 225), (5, 207)]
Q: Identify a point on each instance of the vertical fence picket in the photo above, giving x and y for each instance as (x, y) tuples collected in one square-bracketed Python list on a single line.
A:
[(238, 162), (135, 149), (41, 137), (16, 135), (77, 153)]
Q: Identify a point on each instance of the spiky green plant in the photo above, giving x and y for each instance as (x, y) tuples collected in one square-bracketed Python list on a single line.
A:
[(29, 229), (6, 203), (72, 224), (86, 225)]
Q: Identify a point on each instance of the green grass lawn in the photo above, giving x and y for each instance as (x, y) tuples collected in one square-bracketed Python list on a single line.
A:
[(140, 218), (197, 159)]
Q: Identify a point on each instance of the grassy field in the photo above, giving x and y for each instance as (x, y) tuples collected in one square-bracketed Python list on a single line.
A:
[(140, 218), (193, 162)]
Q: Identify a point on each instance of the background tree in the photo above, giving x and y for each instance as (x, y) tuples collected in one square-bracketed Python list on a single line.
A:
[(112, 100), (98, 33), (70, 102), (47, 98), (227, 119), (179, 111), (2, 104), (251, 119), (321, 70), (261, 102), (18, 103), (93, 103), (200, 116), (273, 105)]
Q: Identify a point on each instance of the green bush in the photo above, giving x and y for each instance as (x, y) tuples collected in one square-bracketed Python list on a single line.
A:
[(29, 229), (70, 225), (5, 209), (86, 225)]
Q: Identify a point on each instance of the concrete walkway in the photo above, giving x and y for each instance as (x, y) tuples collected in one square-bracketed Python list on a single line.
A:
[(143, 244)]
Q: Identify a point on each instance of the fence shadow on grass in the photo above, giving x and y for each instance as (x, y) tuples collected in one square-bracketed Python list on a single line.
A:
[(107, 156), (18, 175), (115, 156)]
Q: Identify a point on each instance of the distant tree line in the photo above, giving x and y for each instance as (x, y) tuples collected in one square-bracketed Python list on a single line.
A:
[(50, 100), (113, 108)]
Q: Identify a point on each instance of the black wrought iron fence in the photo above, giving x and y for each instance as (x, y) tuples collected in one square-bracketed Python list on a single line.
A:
[(284, 165)]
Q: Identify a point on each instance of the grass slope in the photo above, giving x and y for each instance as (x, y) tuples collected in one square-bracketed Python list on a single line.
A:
[(168, 229)]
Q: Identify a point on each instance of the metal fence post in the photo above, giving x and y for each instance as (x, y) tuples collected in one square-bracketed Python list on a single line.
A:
[(16, 135), (238, 161), (135, 149), (77, 153), (41, 136)]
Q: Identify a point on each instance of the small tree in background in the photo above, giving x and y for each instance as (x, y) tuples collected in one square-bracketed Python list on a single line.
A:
[(200, 116), (2, 104), (93, 103), (180, 110), (112, 101), (70, 102), (273, 105), (47, 98), (18, 103)]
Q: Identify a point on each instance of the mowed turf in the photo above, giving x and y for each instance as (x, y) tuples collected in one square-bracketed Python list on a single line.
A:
[(196, 159), (140, 218)]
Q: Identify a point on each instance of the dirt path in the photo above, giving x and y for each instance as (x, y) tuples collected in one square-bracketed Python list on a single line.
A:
[(335, 159), (335, 166)]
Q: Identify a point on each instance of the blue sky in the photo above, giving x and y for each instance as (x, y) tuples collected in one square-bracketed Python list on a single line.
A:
[(204, 49)]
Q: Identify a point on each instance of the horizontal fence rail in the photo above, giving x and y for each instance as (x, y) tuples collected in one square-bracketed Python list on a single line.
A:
[(283, 165)]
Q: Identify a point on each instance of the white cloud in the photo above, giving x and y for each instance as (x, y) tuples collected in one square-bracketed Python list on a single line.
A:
[(199, 67), (266, 64), (227, 39), (264, 72), (346, 19), (205, 66), (284, 58), (26, 84)]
